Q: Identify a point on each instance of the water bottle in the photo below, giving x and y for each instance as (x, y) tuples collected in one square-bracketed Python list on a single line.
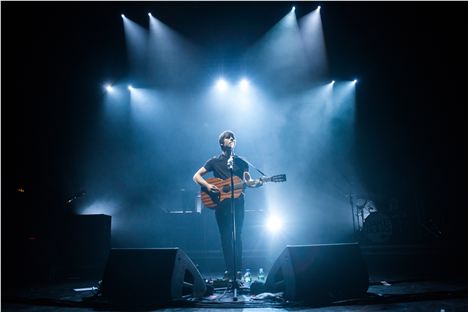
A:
[(247, 276), (261, 275)]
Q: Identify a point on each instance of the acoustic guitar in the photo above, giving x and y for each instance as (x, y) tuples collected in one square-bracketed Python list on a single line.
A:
[(213, 199)]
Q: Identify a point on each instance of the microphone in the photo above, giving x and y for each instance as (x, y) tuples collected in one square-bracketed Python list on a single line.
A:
[(230, 162)]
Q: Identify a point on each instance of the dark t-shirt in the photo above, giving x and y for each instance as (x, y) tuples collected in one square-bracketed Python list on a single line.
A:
[(218, 165)]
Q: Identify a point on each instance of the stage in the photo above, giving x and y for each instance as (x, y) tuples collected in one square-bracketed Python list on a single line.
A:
[(401, 278), (446, 295), (112, 109)]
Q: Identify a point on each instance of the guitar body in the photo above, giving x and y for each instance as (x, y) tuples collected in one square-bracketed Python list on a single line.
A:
[(213, 199)]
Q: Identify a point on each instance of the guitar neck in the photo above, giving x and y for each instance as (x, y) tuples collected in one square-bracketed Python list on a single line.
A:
[(225, 185), (236, 186), (212, 199)]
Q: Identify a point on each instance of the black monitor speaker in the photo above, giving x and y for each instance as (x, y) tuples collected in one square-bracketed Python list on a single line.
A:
[(150, 276), (319, 273)]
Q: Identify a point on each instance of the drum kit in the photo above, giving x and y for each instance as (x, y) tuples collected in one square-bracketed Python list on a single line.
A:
[(370, 221)]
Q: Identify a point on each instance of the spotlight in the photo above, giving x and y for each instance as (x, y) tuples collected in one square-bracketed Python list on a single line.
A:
[(274, 224), (244, 84), (333, 82), (355, 80), (108, 87), (149, 14), (293, 9), (123, 16), (318, 8), (130, 88), (221, 84)]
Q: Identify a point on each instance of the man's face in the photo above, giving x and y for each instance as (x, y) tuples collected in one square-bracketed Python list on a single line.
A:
[(230, 142)]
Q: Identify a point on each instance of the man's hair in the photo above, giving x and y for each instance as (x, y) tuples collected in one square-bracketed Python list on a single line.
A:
[(223, 135)]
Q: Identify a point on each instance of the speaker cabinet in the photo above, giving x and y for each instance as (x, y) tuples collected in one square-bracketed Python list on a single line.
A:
[(86, 244), (319, 273), (141, 277)]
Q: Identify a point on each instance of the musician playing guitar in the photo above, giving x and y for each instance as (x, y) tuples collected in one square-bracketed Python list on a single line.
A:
[(219, 166)]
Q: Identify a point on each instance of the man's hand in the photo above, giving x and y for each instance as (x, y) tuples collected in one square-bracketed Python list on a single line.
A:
[(257, 183), (254, 183), (212, 188), (250, 182)]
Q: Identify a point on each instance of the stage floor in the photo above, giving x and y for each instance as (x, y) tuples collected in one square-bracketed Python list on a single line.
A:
[(402, 278), (382, 295)]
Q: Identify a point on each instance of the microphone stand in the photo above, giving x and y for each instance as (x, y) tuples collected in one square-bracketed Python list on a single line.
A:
[(75, 196), (235, 284)]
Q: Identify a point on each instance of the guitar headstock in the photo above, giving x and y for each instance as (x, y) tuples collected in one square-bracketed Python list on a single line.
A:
[(275, 178)]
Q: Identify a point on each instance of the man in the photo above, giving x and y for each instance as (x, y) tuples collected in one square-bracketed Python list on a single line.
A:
[(219, 166)]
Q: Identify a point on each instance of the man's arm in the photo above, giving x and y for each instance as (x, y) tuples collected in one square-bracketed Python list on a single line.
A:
[(197, 178), (250, 182)]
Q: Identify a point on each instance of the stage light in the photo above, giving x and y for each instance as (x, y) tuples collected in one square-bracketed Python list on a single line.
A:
[(221, 84), (318, 8), (149, 14), (98, 207), (355, 80), (274, 224), (333, 82), (290, 18), (108, 87), (130, 88), (244, 84), (123, 16)]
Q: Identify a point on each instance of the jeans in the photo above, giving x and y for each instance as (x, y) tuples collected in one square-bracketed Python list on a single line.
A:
[(225, 226)]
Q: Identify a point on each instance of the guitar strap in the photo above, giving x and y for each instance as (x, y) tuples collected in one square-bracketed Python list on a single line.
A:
[(250, 164)]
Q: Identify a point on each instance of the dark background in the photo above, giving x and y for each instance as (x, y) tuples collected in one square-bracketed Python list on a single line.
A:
[(410, 58)]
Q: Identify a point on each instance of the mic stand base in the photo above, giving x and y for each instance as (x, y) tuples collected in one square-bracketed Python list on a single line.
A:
[(234, 297), (236, 288)]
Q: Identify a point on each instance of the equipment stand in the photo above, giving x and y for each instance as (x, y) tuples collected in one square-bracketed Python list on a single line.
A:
[(235, 284)]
